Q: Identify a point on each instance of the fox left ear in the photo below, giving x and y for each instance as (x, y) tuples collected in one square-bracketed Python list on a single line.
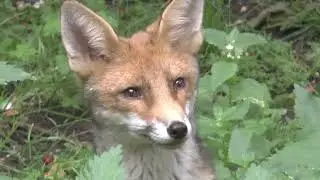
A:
[(180, 25)]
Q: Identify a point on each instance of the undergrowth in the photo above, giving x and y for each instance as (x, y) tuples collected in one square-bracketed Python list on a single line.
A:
[(257, 108)]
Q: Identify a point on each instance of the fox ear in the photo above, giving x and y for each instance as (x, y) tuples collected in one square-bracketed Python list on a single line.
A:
[(180, 25), (87, 38)]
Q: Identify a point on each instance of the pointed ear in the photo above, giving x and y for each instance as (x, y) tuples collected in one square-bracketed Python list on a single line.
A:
[(180, 25), (87, 38)]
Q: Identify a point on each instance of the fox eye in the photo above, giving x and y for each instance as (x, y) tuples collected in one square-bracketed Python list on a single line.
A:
[(179, 83), (132, 92)]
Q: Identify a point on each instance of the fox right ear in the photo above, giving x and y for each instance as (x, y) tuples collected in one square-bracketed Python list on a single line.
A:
[(87, 38)]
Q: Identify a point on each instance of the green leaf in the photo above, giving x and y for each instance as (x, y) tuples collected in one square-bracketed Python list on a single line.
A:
[(298, 159), (246, 40), (307, 108), (260, 146), (236, 112), (258, 173), (107, 166), (239, 145), (7, 178), (221, 72), (10, 73), (233, 35), (216, 37), (223, 173), (251, 90)]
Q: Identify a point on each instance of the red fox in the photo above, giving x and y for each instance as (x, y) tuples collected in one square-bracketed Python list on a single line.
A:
[(142, 90)]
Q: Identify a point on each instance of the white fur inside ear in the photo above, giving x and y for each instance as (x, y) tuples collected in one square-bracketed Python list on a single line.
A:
[(181, 19)]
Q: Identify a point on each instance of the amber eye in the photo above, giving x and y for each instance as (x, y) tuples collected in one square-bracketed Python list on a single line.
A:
[(179, 83), (132, 92)]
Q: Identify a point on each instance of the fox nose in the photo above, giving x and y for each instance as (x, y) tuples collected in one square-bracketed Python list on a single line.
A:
[(177, 130)]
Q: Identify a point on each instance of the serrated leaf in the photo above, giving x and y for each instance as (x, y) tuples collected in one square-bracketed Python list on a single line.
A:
[(221, 72), (239, 145), (251, 90), (258, 173), (205, 126), (307, 108), (7, 178), (233, 35), (223, 173), (107, 166), (298, 159), (236, 112), (216, 37), (11, 73), (260, 146), (246, 40)]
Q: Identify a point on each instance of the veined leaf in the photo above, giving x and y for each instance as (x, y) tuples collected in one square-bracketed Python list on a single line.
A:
[(11, 73), (239, 145), (105, 167), (216, 37), (221, 72)]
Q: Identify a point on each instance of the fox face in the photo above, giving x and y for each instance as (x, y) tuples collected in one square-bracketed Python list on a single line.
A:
[(140, 88)]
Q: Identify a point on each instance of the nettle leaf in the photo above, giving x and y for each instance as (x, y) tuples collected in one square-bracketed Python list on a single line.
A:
[(11, 73), (260, 146), (251, 90), (107, 166), (233, 35), (236, 112), (307, 108), (298, 159), (216, 37), (223, 172), (258, 172), (7, 178), (221, 72), (239, 145), (245, 40), (206, 126)]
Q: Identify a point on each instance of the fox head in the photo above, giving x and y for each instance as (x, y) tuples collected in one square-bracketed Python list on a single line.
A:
[(143, 86)]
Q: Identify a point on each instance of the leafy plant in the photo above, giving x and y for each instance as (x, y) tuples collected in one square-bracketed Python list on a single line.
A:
[(106, 166)]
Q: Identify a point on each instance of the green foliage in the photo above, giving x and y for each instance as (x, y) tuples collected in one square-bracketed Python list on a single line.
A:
[(241, 108), (10, 73), (254, 141), (107, 166)]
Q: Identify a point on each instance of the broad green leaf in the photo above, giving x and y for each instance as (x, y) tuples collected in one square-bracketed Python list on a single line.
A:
[(221, 72), (107, 166), (206, 125), (246, 40), (239, 147), (216, 37), (7, 178), (260, 146), (298, 159), (223, 173), (11, 73), (258, 173), (251, 90), (236, 112), (233, 35), (307, 108)]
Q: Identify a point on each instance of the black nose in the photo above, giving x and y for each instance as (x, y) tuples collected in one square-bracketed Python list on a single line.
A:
[(177, 130)]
